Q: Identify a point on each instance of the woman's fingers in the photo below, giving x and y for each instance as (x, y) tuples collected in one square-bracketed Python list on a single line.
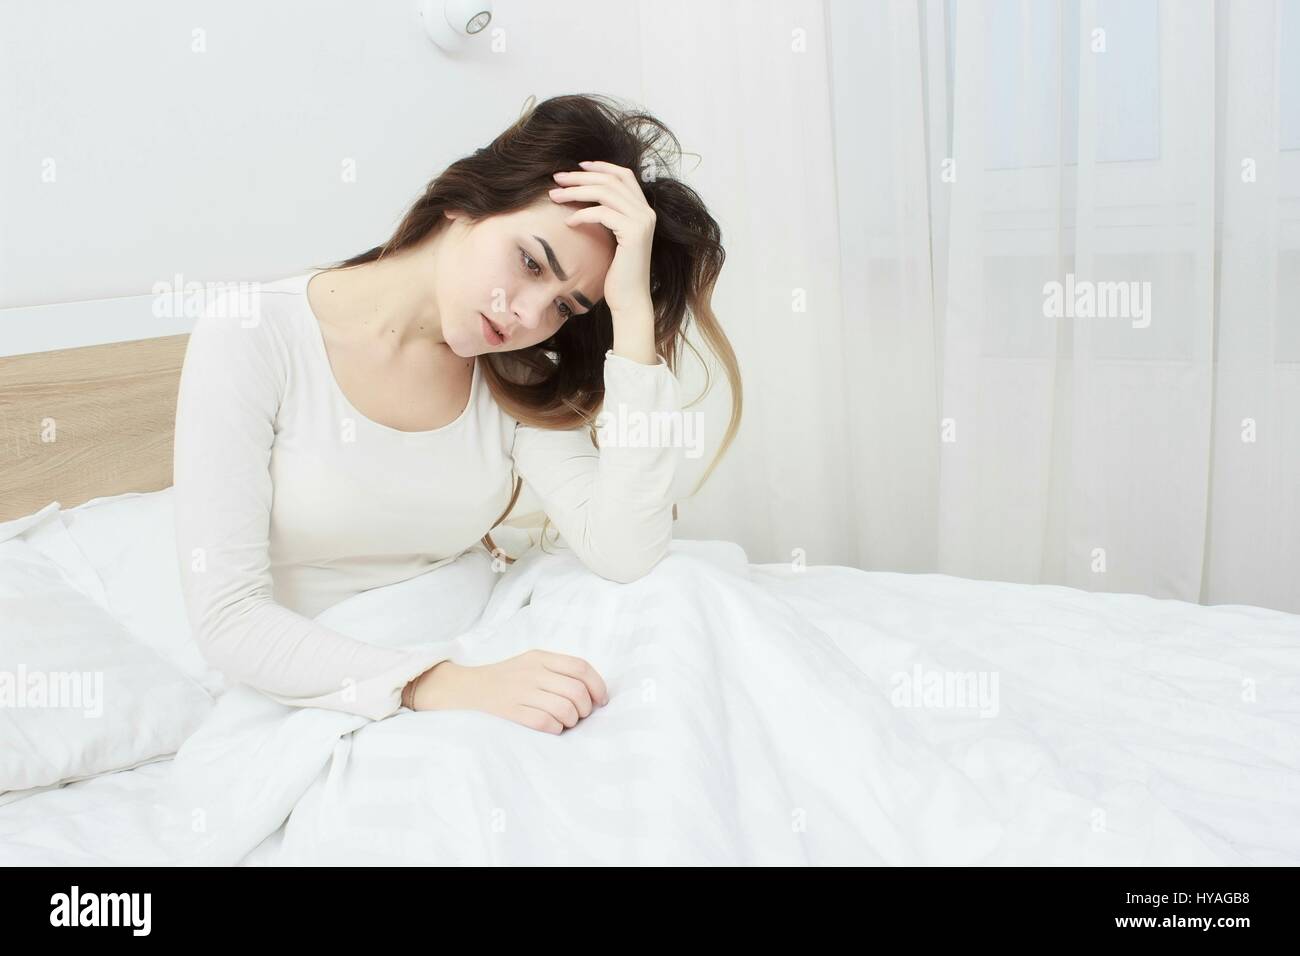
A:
[(621, 172), (587, 186), (612, 220), (535, 718), (593, 194), (577, 668), (559, 707), (546, 691), (570, 687)]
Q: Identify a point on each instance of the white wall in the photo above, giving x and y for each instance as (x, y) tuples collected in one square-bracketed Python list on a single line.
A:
[(227, 163)]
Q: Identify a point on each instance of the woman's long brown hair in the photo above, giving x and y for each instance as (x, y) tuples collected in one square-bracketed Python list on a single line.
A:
[(559, 383)]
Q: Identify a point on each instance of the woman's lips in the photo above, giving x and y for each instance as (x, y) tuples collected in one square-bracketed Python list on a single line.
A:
[(490, 334)]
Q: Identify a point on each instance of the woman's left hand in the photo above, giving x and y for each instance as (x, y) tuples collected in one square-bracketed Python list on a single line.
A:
[(621, 208)]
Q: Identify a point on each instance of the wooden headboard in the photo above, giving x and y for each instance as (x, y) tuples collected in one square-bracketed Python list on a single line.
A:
[(89, 422), (96, 421)]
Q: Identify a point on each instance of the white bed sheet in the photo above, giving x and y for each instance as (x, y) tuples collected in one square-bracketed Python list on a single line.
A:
[(755, 719)]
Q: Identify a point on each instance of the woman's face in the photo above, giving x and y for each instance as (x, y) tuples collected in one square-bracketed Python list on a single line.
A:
[(500, 269)]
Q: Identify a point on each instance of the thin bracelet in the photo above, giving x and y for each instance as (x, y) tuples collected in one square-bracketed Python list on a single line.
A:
[(413, 683)]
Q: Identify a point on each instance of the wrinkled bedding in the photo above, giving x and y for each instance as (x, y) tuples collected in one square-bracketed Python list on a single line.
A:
[(759, 714)]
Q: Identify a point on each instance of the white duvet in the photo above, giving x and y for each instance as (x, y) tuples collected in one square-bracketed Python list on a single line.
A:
[(761, 714)]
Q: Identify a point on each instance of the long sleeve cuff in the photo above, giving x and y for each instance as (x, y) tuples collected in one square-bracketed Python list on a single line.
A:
[(376, 696)]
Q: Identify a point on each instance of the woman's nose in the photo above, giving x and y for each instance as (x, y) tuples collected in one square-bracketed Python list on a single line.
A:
[(530, 313)]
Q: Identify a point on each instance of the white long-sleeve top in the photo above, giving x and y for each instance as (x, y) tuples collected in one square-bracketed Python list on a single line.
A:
[(288, 500)]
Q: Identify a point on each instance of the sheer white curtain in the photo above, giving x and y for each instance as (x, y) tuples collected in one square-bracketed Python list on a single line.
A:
[(745, 85), (1253, 542), (1069, 284)]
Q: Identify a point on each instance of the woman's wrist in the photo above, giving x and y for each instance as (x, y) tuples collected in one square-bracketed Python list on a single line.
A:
[(407, 697), (435, 688)]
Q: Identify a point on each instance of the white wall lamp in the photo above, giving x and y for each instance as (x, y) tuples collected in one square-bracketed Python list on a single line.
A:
[(453, 23)]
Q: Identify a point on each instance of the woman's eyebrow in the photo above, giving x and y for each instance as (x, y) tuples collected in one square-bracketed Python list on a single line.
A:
[(560, 273)]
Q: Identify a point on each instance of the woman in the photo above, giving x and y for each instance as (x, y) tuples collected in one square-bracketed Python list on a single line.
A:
[(365, 423)]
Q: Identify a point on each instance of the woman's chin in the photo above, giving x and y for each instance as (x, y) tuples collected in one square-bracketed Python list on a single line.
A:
[(459, 349)]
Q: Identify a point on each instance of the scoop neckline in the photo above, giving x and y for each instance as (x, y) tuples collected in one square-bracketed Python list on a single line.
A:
[(323, 355)]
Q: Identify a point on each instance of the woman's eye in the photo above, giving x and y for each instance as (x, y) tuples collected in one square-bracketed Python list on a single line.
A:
[(529, 264)]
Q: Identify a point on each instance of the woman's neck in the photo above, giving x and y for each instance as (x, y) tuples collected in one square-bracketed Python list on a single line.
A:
[(389, 300)]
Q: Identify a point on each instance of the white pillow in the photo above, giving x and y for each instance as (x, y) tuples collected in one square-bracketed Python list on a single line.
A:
[(18, 526), (45, 531), (130, 542), (78, 696)]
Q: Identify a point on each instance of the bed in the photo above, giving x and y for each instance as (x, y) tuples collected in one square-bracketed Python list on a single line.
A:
[(759, 713)]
